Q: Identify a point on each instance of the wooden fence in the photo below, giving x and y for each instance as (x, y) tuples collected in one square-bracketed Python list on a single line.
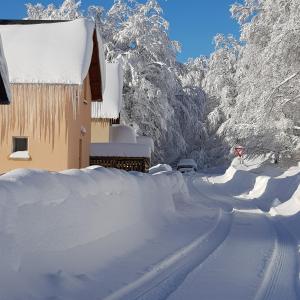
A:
[(140, 164)]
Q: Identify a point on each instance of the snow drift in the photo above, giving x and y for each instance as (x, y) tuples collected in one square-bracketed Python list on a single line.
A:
[(261, 184), (42, 211)]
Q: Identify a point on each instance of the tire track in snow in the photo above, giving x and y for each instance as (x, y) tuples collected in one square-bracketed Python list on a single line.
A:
[(280, 279), (166, 276)]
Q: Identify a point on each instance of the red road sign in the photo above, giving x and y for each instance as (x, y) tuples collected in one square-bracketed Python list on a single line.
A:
[(239, 151)]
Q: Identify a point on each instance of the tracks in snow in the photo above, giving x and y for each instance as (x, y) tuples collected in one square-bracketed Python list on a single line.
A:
[(276, 284), (166, 276)]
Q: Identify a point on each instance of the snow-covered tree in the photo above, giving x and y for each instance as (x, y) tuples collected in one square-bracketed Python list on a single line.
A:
[(192, 106), (267, 111), (69, 10), (140, 41), (219, 85), (252, 87)]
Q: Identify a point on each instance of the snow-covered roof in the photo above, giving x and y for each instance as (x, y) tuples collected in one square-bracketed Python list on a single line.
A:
[(145, 140), (120, 150), (53, 53), (122, 134), (5, 95), (187, 162), (110, 107)]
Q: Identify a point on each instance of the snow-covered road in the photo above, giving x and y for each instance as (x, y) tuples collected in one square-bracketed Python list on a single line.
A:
[(246, 255), (254, 262), (165, 277)]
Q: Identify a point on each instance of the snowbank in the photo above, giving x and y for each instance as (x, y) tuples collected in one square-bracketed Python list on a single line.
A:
[(290, 207), (42, 211), (160, 168), (261, 184)]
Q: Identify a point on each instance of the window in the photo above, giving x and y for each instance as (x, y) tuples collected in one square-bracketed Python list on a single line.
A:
[(20, 144)]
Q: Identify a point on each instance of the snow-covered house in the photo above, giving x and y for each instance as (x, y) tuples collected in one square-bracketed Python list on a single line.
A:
[(112, 144), (55, 70)]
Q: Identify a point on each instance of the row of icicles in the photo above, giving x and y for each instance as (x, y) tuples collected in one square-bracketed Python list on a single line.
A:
[(40, 109)]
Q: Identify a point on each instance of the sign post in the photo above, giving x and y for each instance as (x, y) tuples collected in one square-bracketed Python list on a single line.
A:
[(239, 151)]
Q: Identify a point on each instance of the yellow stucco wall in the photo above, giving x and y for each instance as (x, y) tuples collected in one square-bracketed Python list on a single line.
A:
[(47, 116), (82, 120), (100, 130)]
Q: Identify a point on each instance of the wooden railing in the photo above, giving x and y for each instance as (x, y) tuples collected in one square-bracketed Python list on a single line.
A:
[(140, 164)]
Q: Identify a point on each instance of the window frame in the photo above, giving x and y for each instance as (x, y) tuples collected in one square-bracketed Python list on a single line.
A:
[(14, 145)]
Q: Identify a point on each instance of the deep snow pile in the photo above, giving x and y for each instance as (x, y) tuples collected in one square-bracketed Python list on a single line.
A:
[(160, 168), (263, 184), (56, 211), (259, 184), (76, 221)]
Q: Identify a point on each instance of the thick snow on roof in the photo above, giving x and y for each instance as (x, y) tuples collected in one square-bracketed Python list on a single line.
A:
[(122, 134), (53, 53), (145, 140), (123, 142), (5, 95), (112, 97), (187, 162), (120, 150)]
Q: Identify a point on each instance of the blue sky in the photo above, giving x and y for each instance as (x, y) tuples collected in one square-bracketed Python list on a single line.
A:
[(193, 23)]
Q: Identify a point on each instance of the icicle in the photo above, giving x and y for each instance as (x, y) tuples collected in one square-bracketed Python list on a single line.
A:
[(99, 108), (39, 109), (96, 110), (75, 92)]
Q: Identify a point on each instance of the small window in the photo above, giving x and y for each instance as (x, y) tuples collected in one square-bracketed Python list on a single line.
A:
[(20, 144)]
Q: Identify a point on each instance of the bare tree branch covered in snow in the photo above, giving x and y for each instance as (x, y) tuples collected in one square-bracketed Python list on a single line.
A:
[(69, 10)]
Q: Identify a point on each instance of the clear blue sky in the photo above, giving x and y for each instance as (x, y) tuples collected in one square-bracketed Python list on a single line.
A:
[(193, 23)]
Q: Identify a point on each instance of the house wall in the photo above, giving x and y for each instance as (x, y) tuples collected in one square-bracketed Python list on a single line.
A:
[(100, 131), (79, 158), (46, 114)]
